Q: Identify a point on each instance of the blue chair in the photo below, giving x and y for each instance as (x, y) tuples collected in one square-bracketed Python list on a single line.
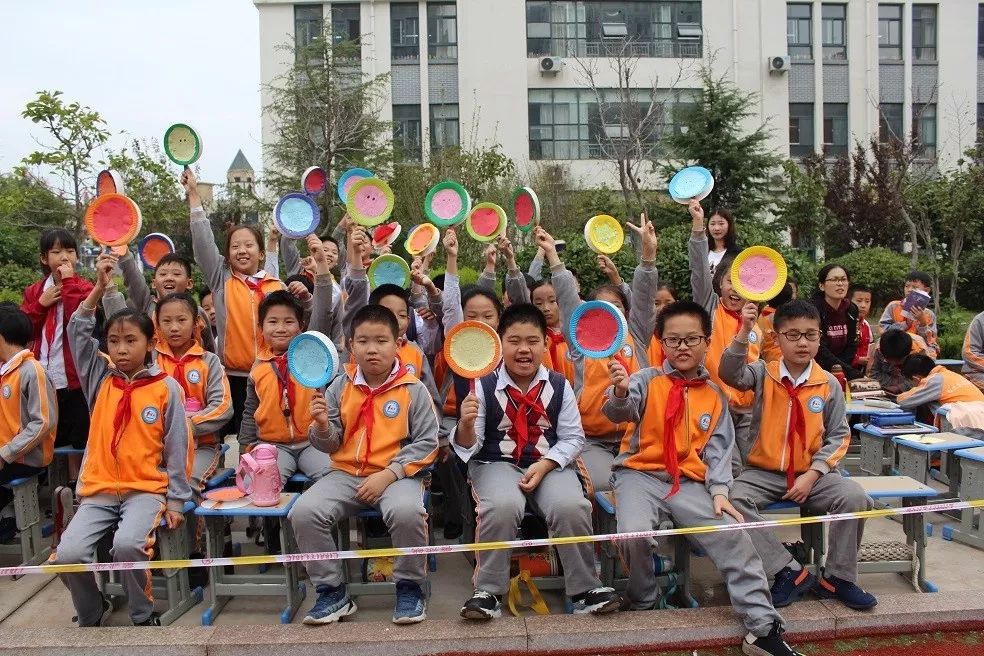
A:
[(58, 471), (27, 514), (811, 534)]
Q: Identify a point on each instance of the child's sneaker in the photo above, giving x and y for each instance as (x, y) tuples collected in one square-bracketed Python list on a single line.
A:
[(849, 594), (482, 606), (332, 605), (107, 612), (153, 620), (771, 645), (410, 605), (598, 601), (790, 586)]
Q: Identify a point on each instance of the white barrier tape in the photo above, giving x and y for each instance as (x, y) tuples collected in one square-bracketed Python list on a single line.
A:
[(478, 546)]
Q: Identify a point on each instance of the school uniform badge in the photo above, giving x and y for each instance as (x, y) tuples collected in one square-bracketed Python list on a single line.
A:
[(627, 350), (150, 414), (753, 337), (391, 409), (705, 421), (815, 404), (6, 391), (194, 376), (412, 370)]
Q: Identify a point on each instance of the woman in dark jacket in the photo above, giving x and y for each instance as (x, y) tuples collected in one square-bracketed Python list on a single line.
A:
[(838, 321)]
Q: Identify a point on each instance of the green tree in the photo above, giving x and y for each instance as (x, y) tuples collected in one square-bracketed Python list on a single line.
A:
[(27, 206), (803, 209), (712, 136), (75, 133)]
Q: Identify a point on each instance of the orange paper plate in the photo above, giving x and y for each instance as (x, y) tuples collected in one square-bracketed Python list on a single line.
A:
[(472, 349), (112, 220)]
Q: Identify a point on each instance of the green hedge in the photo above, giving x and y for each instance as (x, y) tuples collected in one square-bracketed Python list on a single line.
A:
[(881, 269), (970, 292)]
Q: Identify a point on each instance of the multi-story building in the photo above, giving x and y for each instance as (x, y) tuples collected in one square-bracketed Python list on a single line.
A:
[(514, 72)]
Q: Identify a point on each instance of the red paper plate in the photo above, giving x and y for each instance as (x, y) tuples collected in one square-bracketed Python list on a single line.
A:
[(112, 220), (109, 182), (314, 180)]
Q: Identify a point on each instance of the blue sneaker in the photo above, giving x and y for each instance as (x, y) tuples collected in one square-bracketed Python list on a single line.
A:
[(410, 605), (790, 586), (849, 594), (332, 605)]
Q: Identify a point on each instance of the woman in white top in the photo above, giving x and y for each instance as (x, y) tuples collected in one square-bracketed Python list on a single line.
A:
[(721, 237)]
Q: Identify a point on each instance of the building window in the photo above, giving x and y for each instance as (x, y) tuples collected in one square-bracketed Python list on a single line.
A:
[(404, 31), (345, 24), (442, 31), (980, 31), (570, 124), (800, 129), (308, 21), (443, 126), (924, 32), (834, 129), (924, 130), (890, 123), (569, 28), (834, 32), (799, 31), (980, 120), (406, 132), (890, 32)]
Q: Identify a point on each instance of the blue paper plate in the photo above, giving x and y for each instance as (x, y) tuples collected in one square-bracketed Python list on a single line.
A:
[(597, 329), (691, 182), (312, 359), (297, 215), (389, 269), (346, 180)]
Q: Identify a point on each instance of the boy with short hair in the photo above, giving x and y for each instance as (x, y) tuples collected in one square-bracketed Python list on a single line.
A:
[(678, 461), (378, 423), (519, 433), (920, 322), (934, 385), (861, 296), (28, 410), (800, 433), (894, 346)]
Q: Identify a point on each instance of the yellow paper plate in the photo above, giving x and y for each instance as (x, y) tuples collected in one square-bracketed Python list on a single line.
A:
[(604, 234), (758, 273), (472, 349)]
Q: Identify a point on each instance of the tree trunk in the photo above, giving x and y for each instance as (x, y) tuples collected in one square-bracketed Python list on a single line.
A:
[(913, 234), (956, 248)]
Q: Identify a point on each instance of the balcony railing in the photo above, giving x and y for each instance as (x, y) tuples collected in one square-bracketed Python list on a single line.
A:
[(666, 49)]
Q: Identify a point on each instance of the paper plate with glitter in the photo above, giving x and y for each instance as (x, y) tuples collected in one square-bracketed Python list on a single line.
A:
[(314, 180), (370, 202), (153, 247), (526, 209), (386, 234), (113, 220), (604, 234), (312, 359), (348, 179), (689, 183), (486, 222), (389, 269), (447, 204), (758, 273), (297, 215), (472, 349), (597, 329), (423, 240), (182, 145), (109, 182)]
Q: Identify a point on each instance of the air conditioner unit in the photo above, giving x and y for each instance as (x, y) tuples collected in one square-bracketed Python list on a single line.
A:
[(551, 65), (779, 64)]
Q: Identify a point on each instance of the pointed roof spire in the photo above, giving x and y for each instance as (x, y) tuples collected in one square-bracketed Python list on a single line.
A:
[(240, 163)]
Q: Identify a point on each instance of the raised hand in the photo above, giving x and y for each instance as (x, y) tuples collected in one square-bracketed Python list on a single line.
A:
[(647, 236)]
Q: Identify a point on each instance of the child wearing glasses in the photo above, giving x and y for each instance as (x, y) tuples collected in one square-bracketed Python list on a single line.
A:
[(799, 435), (676, 461)]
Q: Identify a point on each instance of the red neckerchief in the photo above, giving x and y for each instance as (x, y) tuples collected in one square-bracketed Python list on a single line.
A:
[(366, 411), (285, 383), (675, 411), (554, 340), (179, 370), (797, 426), (734, 315), (123, 409), (255, 287), (524, 414)]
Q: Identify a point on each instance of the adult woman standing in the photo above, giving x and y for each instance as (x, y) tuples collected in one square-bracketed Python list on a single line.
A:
[(721, 237), (838, 321)]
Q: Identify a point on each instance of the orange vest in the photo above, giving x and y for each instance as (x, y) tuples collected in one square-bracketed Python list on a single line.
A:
[(194, 384), (561, 364), (592, 397), (723, 331), (411, 355), (242, 339), (956, 388), (11, 420), (271, 424), (770, 344), (655, 352)]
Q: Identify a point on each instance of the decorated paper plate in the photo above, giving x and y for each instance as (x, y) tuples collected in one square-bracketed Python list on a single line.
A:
[(758, 273), (370, 202), (113, 220), (182, 145), (598, 329), (230, 493), (447, 204), (526, 208), (604, 234), (486, 222), (109, 182), (297, 215), (312, 359), (423, 240), (389, 269), (314, 180), (153, 247), (386, 234), (472, 349), (348, 179), (689, 183)]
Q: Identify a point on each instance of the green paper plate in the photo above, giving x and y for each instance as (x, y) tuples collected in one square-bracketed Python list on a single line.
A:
[(182, 145), (389, 270), (369, 202), (447, 204), (526, 208)]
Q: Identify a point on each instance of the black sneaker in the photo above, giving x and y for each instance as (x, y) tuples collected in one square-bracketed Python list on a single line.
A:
[(770, 645), (790, 586), (598, 601), (482, 606), (849, 594), (153, 620), (104, 618)]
